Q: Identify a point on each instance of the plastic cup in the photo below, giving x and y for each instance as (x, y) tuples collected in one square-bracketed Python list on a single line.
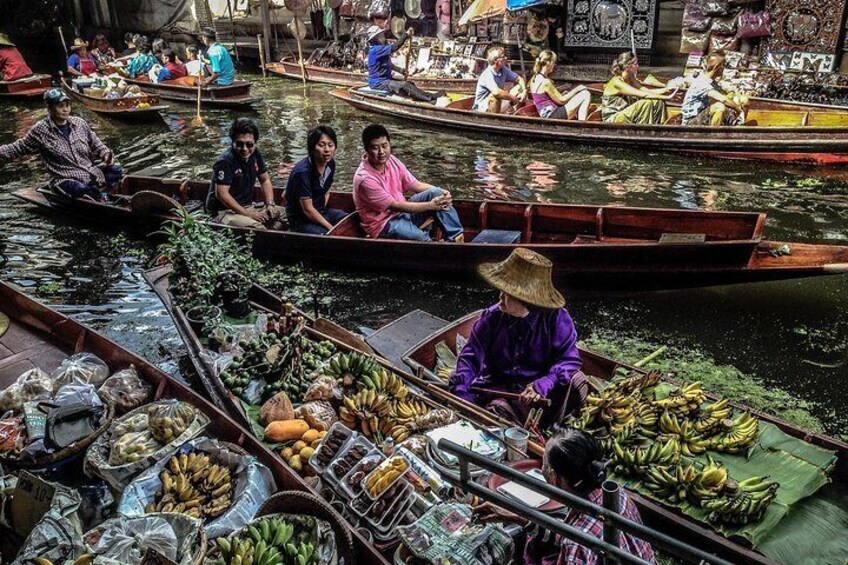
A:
[(516, 438)]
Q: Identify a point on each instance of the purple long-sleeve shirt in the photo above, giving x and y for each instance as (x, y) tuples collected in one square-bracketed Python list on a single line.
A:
[(508, 353)]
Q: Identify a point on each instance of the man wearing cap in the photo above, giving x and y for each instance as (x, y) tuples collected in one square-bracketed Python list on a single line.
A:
[(12, 64), (525, 344), (81, 63), (380, 67), (223, 70), (494, 85), (66, 144)]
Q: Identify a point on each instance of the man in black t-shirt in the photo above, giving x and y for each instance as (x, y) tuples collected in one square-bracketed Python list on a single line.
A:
[(231, 195)]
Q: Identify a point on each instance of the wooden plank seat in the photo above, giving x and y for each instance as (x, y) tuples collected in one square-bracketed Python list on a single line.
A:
[(349, 226)]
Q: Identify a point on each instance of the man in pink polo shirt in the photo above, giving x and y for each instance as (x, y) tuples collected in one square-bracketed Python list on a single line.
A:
[(378, 192)]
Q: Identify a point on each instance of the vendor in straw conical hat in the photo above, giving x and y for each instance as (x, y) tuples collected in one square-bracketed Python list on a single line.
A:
[(12, 64), (524, 344)]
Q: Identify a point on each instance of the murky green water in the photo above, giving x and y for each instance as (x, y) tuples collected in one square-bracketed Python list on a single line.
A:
[(792, 335)]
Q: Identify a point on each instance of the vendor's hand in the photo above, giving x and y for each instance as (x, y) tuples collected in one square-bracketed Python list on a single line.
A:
[(530, 396), (256, 215), (488, 512), (446, 194), (440, 203), (110, 158)]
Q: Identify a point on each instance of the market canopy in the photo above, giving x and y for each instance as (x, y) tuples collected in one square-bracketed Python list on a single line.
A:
[(482, 9), (513, 5)]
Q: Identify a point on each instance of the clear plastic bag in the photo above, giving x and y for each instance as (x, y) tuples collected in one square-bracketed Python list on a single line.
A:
[(32, 385), (323, 388), (318, 413), (77, 393), (125, 391), (132, 447), (82, 367), (125, 540), (134, 423), (13, 435), (168, 420)]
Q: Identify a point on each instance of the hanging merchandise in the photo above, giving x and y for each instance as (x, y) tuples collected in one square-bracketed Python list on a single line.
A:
[(412, 8), (715, 7), (694, 18), (607, 24), (694, 41), (537, 28), (378, 9), (398, 25), (298, 7), (812, 26), (753, 24), (725, 25), (723, 43)]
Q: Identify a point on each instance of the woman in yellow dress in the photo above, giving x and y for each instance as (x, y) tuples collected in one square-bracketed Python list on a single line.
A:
[(627, 100)]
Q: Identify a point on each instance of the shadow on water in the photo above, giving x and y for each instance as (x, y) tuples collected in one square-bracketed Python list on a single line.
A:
[(792, 335)]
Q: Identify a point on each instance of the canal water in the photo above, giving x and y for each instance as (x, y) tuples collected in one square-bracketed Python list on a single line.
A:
[(787, 335)]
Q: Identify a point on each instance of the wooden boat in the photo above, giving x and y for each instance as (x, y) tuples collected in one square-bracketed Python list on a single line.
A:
[(30, 87), (41, 337), (236, 95), (797, 136), (422, 359), (139, 108), (597, 245), (288, 67)]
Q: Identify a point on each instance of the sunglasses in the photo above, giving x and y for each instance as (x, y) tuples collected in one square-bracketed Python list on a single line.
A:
[(243, 144)]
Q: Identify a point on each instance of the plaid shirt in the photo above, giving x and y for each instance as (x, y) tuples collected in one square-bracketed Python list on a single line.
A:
[(64, 159), (567, 552)]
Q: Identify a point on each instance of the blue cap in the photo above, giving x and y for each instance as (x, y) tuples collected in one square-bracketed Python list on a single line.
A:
[(55, 95)]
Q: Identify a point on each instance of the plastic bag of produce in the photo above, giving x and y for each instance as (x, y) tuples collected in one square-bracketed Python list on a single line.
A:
[(13, 435), (77, 393), (125, 391), (97, 459), (251, 485), (168, 420), (125, 540), (324, 387), (32, 385), (82, 367), (58, 535), (318, 413), (131, 447)]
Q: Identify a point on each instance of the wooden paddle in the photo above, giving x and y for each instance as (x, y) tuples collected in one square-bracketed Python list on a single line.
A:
[(408, 54), (296, 33), (261, 54), (504, 394), (197, 121)]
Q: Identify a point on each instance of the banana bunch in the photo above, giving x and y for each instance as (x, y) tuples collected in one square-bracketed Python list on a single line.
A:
[(444, 373), (351, 367), (646, 417), (368, 411), (691, 442), (671, 483), (193, 485), (709, 482), (638, 460), (639, 381), (168, 421), (84, 559), (387, 383), (267, 542), (611, 408), (409, 411), (740, 434), (710, 418), (686, 400), (747, 504)]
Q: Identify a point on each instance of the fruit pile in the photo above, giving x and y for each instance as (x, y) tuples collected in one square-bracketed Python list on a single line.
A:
[(268, 541), (141, 434), (299, 453), (193, 485), (646, 437), (351, 368), (385, 475), (168, 421)]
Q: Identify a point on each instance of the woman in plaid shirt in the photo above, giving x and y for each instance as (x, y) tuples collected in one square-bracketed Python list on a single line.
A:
[(573, 461)]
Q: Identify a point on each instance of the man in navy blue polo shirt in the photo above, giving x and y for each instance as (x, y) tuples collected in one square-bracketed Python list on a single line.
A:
[(380, 67), (230, 200)]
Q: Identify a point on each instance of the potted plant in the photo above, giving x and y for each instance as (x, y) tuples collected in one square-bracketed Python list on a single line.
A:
[(233, 288), (203, 315)]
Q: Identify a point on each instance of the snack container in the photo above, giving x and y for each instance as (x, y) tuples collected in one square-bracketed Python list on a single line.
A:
[(425, 472), (357, 442), (395, 466), (396, 512), (356, 489), (361, 505), (327, 453)]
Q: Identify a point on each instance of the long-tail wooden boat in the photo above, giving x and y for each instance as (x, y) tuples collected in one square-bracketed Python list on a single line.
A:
[(288, 67), (422, 359), (137, 108), (797, 136), (595, 245), (30, 87), (236, 95), (41, 337)]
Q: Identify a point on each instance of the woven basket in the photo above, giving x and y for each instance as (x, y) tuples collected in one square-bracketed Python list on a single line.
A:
[(300, 502)]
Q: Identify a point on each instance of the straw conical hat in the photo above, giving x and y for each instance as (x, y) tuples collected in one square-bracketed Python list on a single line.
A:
[(526, 275), (4, 40), (152, 202)]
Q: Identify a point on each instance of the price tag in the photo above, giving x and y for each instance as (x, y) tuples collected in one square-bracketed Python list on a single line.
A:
[(31, 500)]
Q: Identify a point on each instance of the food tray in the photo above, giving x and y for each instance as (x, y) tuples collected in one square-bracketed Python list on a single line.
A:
[(336, 428), (361, 505), (356, 489), (395, 513), (361, 442), (402, 466), (381, 507)]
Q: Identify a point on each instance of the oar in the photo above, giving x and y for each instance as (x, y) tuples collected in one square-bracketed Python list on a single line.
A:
[(197, 121), (408, 56), (296, 33), (261, 54)]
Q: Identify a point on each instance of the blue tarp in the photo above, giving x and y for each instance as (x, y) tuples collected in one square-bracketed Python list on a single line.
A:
[(513, 5)]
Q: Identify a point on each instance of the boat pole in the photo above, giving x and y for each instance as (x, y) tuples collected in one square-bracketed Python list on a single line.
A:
[(408, 55), (62, 39), (261, 54), (296, 34), (233, 29)]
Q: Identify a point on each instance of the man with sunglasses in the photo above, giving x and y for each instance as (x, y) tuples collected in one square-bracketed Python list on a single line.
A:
[(498, 86), (234, 176)]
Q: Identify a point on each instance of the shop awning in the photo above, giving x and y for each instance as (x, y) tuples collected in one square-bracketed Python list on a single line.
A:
[(513, 5), (482, 9)]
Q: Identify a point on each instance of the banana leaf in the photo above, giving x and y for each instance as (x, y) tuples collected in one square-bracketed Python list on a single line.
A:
[(800, 468)]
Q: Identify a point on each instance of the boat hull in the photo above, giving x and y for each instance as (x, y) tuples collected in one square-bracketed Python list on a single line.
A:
[(804, 144), (288, 68), (236, 95), (123, 108), (30, 87), (586, 261)]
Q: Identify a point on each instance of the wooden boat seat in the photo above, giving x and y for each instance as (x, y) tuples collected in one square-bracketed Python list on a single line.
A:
[(529, 110), (349, 226), (497, 236)]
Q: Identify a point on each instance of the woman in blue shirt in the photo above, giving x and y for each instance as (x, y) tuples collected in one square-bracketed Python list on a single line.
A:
[(143, 60), (308, 188)]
